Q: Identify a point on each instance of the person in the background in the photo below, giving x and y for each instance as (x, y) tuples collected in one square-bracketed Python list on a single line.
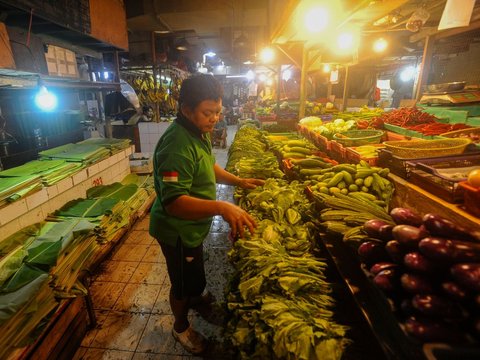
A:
[(185, 174), (220, 131)]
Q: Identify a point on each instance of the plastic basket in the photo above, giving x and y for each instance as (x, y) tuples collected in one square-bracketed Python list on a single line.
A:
[(359, 137), (320, 141), (337, 151), (427, 148), (471, 198)]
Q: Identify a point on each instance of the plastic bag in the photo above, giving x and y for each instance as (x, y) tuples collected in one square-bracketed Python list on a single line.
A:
[(417, 20)]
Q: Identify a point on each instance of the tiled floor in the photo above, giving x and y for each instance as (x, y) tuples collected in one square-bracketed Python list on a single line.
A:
[(130, 295)]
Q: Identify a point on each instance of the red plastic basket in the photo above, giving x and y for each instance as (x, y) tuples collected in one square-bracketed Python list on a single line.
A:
[(337, 151)]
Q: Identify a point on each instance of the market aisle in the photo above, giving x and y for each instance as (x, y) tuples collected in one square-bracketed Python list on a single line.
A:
[(130, 294)]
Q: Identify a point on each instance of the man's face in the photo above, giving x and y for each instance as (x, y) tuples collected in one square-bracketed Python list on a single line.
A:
[(205, 115)]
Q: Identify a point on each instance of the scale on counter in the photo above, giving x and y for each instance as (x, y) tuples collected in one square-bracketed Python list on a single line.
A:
[(449, 93), (456, 97)]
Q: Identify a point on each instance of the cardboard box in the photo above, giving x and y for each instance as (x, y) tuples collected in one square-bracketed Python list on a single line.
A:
[(141, 163)]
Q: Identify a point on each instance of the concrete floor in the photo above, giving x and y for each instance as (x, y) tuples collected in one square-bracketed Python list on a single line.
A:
[(130, 294)]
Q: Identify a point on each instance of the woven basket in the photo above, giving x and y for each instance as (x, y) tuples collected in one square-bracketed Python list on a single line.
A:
[(359, 137), (415, 149)]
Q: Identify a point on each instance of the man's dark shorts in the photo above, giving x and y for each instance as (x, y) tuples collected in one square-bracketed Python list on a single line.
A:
[(185, 269)]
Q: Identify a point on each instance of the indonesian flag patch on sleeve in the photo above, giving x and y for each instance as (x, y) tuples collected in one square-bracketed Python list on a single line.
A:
[(170, 176)]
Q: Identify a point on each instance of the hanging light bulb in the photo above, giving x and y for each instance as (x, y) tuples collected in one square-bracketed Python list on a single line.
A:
[(44, 99)]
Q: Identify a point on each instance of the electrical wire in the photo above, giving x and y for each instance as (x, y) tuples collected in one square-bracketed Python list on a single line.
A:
[(29, 28)]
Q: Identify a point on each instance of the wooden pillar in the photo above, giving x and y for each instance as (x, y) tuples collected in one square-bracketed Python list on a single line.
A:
[(303, 80), (345, 88), (425, 66)]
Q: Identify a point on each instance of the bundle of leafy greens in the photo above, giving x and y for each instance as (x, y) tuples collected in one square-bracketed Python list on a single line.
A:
[(279, 300)]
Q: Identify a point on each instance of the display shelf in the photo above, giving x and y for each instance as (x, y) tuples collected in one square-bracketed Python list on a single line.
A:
[(35, 207), (413, 197)]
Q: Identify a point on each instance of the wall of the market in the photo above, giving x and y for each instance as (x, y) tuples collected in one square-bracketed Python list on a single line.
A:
[(457, 67), (6, 54), (108, 22)]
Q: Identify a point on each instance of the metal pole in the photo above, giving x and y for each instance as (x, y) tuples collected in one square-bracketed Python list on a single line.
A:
[(345, 88), (303, 79)]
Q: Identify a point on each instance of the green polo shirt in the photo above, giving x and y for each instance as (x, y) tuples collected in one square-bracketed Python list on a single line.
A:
[(183, 165)]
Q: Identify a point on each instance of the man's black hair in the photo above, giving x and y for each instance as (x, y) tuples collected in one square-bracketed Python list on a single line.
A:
[(198, 88)]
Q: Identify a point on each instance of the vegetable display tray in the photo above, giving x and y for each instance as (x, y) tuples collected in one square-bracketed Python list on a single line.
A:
[(441, 176), (427, 148), (354, 157), (359, 137), (337, 151), (472, 133)]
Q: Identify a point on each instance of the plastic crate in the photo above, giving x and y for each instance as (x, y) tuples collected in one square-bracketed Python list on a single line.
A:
[(354, 157), (321, 142), (337, 151), (471, 198)]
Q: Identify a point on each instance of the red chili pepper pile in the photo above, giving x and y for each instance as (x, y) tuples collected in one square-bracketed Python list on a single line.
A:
[(417, 120), (437, 128)]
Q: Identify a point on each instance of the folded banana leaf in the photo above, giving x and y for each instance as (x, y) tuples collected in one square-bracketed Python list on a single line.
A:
[(112, 191), (87, 208), (13, 188), (25, 275), (11, 263), (34, 302), (86, 153), (114, 145)]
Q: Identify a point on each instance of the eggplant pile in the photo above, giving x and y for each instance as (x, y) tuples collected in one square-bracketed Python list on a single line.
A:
[(430, 268)]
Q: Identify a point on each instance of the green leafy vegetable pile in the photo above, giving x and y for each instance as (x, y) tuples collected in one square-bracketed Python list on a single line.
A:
[(279, 299)]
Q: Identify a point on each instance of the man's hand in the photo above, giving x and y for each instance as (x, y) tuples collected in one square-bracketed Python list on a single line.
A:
[(237, 218), (250, 183)]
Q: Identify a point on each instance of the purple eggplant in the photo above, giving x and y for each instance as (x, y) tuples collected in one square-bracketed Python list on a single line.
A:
[(375, 269), (408, 235), (416, 284), (476, 328), (371, 253), (449, 251), (467, 275), (395, 250), (430, 331), (434, 305), (386, 232), (372, 228), (454, 291), (404, 216), (387, 280), (417, 262), (407, 307), (439, 226)]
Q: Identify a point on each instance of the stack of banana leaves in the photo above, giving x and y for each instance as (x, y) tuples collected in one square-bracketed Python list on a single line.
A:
[(37, 265), (248, 156), (110, 207), (279, 302), (83, 153), (114, 145), (14, 188), (50, 171)]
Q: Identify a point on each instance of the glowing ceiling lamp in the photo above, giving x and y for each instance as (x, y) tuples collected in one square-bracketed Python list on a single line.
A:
[(326, 68), (408, 74), (250, 75), (44, 99), (267, 55), (316, 19), (380, 45)]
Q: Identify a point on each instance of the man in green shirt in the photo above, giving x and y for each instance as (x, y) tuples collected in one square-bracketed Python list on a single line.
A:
[(185, 175)]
